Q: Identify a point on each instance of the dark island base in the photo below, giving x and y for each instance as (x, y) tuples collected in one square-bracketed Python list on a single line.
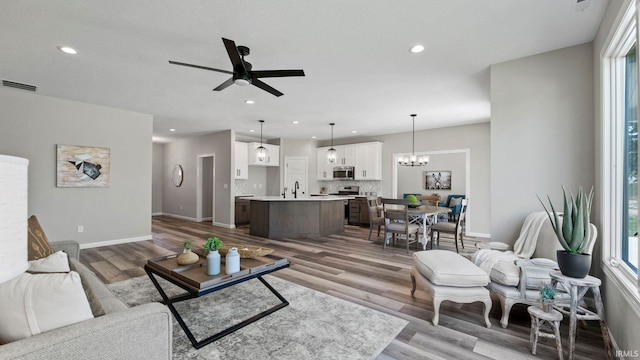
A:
[(279, 219)]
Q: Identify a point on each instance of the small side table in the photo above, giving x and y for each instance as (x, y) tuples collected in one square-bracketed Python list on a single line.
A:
[(539, 318), (577, 288)]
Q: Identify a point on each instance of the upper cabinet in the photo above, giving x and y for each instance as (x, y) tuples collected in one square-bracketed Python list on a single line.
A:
[(273, 156), (368, 161), (366, 158), (345, 155), (242, 160), (324, 167)]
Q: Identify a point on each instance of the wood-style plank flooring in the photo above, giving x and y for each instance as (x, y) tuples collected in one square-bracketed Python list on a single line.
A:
[(351, 267)]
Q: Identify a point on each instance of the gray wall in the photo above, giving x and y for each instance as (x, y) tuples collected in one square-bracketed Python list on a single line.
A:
[(623, 321), (157, 175), (182, 201), (412, 179), (33, 125), (302, 148), (542, 131)]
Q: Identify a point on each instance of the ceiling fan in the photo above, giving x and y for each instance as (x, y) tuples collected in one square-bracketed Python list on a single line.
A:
[(242, 73)]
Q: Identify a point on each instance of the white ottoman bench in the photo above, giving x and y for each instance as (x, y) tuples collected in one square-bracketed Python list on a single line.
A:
[(449, 276)]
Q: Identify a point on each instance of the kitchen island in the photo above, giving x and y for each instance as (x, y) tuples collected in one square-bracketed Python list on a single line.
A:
[(275, 217)]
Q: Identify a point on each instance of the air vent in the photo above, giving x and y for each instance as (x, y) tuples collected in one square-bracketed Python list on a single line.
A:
[(17, 85)]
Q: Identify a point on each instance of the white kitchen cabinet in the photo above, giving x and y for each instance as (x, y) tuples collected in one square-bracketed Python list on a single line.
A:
[(368, 164), (242, 160), (345, 155), (273, 157), (324, 168)]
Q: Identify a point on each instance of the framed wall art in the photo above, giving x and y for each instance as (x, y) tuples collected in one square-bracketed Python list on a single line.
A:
[(82, 166), (437, 180)]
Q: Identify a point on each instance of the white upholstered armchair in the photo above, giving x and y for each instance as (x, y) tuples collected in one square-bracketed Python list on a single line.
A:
[(516, 275)]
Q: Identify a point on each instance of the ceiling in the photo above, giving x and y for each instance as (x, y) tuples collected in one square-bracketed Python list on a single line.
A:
[(359, 71)]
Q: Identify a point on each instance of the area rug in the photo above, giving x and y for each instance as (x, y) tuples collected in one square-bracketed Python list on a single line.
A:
[(313, 326)]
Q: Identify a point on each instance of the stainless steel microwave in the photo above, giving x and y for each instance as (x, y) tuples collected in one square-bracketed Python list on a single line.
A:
[(343, 173)]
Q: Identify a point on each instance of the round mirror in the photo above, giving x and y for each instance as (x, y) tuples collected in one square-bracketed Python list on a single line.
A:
[(177, 175)]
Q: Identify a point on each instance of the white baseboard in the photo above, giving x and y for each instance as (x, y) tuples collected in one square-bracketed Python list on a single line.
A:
[(115, 242), (227, 226), (181, 217), (479, 235), (156, 214)]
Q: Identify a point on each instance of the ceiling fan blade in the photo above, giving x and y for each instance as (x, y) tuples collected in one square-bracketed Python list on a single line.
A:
[(234, 55), (266, 87), (200, 67), (224, 85), (276, 73)]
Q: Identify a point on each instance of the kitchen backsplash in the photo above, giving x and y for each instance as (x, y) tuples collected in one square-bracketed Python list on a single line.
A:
[(367, 187)]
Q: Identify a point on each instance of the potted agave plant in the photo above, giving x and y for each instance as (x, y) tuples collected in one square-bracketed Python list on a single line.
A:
[(573, 232)]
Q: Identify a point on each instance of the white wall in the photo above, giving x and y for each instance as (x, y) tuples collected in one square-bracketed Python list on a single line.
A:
[(542, 130), (32, 126)]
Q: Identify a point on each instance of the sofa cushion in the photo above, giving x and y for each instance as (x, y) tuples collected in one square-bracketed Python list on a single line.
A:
[(37, 243), (447, 268), (56, 262), (455, 201), (505, 273), (31, 304)]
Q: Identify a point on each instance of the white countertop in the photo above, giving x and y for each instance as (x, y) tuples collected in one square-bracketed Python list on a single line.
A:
[(305, 198)]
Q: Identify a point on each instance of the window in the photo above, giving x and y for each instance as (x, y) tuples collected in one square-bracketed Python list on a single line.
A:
[(629, 246), (619, 175)]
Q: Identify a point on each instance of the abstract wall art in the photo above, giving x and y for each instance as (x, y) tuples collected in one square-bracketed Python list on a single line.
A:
[(82, 166)]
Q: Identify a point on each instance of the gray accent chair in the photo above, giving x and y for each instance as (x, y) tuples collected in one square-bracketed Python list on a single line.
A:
[(140, 332)]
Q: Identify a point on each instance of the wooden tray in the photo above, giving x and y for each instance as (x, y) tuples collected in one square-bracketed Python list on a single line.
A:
[(246, 251)]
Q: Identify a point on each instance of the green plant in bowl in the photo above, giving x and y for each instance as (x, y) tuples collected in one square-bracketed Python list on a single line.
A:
[(413, 200), (212, 244)]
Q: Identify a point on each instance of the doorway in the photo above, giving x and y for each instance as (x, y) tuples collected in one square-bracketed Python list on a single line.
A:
[(296, 170), (205, 188)]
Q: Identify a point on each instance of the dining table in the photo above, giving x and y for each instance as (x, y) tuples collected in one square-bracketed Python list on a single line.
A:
[(424, 215)]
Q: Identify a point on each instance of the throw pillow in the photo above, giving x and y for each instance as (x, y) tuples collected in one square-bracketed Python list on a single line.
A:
[(56, 262), (455, 201), (37, 244), (59, 262), (32, 304)]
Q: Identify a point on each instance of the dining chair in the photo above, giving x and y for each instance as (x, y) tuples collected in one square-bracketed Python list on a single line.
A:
[(454, 228), (397, 222), (375, 219)]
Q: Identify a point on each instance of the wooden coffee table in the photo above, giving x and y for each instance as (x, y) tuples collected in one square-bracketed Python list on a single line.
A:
[(194, 279)]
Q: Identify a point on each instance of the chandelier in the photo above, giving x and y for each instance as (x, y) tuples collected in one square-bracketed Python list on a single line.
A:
[(413, 160)]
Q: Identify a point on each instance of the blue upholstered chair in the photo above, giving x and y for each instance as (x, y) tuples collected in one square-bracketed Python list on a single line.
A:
[(455, 210)]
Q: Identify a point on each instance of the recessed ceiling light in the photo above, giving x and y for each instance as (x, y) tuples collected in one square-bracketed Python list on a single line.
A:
[(416, 49), (314, 137), (67, 50), (295, 122), (353, 131), (249, 102), (252, 130), (172, 130)]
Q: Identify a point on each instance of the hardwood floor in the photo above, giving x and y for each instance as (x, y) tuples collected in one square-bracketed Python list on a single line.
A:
[(353, 268)]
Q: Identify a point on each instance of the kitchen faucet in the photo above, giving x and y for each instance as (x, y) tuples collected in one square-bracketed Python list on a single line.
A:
[(296, 186), (284, 194)]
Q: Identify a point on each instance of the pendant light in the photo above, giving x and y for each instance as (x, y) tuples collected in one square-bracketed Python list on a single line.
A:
[(331, 153), (413, 160), (261, 151)]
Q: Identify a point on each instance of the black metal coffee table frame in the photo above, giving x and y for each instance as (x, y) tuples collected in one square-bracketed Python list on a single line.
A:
[(195, 294)]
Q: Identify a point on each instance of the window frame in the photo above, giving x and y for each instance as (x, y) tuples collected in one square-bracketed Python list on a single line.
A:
[(613, 139)]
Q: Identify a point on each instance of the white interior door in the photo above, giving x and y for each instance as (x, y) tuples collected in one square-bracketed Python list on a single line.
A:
[(296, 170)]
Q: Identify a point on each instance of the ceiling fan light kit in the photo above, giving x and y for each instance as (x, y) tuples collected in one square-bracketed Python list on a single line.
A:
[(261, 151), (332, 154), (413, 160), (243, 73)]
